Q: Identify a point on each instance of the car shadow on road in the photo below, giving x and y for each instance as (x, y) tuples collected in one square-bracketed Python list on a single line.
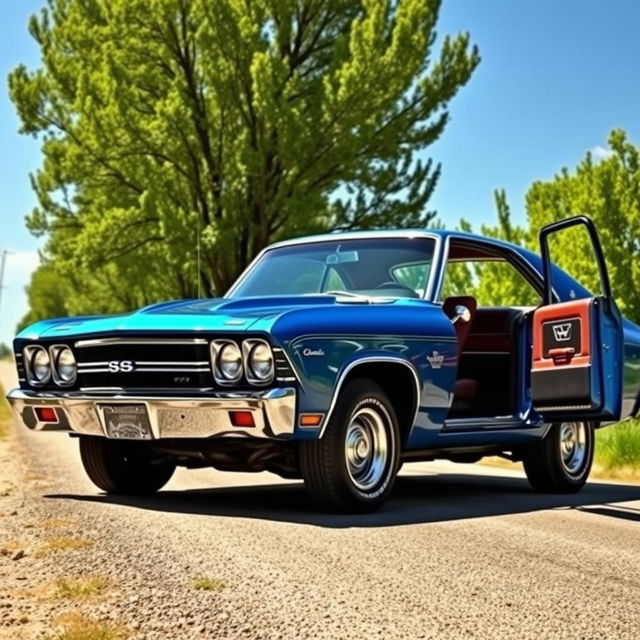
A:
[(416, 499)]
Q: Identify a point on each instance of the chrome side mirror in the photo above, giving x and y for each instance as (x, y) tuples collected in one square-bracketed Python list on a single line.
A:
[(462, 314)]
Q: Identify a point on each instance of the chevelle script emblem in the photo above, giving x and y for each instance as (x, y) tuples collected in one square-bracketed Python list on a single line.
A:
[(121, 366)]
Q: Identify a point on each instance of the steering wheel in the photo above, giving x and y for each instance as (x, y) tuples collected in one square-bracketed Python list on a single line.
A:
[(392, 284)]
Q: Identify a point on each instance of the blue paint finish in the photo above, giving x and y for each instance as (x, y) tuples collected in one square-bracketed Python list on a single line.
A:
[(408, 329)]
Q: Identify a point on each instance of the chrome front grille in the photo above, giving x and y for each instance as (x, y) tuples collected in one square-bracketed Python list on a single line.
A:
[(144, 363), (156, 364)]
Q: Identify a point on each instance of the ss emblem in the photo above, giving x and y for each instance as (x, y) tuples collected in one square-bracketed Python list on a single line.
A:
[(121, 366)]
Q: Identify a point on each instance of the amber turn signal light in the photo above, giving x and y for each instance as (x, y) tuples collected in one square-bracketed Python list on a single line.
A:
[(310, 419)]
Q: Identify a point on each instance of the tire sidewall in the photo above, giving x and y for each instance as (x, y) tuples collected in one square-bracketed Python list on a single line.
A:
[(362, 394), (580, 478)]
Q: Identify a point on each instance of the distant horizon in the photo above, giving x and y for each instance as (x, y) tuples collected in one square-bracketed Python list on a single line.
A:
[(554, 80)]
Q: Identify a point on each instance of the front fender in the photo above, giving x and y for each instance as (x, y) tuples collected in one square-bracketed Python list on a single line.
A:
[(323, 362)]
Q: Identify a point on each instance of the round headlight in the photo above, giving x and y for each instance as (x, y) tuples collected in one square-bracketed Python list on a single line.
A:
[(230, 362), (40, 365), (66, 366), (261, 362)]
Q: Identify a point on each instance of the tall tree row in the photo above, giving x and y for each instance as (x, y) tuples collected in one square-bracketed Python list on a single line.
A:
[(180, 137), (607, 190)]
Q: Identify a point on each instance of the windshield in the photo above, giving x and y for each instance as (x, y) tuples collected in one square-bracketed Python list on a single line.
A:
[(397, 267)]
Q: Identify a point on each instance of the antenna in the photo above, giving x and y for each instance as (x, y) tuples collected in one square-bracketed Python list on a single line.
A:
[(198, 257)]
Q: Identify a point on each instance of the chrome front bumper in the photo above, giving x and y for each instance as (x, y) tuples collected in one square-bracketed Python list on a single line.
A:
[(273, 413)]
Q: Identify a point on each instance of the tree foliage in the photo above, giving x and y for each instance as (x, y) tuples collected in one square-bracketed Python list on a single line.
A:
[(177, 128), (607, 190)]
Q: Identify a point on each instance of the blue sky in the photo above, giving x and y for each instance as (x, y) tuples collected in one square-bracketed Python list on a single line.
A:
[(556, 76)]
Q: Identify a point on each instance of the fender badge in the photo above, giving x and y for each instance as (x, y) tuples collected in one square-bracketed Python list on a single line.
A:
[(312, 352), (435, 360)]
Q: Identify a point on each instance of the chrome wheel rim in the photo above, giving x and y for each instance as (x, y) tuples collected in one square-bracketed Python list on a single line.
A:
[(367, 447), (573, 446)]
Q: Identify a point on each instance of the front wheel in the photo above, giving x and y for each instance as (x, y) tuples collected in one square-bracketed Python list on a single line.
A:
[(353, 466), (121, 466), (561, 462)]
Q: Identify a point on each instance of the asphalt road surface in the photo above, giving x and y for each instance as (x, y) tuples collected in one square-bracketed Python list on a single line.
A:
[(460, 551)]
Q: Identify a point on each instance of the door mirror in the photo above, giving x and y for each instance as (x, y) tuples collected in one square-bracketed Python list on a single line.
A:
[(462, 314)]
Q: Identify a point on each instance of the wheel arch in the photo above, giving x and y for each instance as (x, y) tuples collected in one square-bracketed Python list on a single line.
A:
[(403, 387)]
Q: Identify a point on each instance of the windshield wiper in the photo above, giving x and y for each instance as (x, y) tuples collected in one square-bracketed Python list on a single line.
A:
[(345, 294), (358, 297)]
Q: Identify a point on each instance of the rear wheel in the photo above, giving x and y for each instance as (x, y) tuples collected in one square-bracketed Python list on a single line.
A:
[(562, 461), (120, 466), (354, 465)]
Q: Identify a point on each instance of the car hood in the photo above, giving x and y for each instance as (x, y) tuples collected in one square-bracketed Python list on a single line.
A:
[(219, 314)]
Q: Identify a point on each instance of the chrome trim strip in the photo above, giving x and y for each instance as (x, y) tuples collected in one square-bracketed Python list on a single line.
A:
[(149, 370), (171, 369), (198, 363), (287, 379), (364, 360), (274, 412), (100, 342)]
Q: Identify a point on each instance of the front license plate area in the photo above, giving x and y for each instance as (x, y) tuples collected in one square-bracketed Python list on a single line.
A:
[(127, 422)]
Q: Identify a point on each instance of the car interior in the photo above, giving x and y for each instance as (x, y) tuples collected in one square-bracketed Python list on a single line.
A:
[(490, 362)]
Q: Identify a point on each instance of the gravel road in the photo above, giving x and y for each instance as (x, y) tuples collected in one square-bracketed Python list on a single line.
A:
[(460, 551)]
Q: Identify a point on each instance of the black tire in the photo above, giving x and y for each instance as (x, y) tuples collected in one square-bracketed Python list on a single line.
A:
[(553, 466), (126, 467), (350, 477)]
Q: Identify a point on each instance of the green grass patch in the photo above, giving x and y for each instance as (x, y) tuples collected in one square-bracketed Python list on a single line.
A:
[(618, 448), (203, 583), (75, 626), (80, 588), (6, 419)]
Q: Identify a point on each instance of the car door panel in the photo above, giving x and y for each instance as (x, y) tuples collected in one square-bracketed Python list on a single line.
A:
[(577, 347)]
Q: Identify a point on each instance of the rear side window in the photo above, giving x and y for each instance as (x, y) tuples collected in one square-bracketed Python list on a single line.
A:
[(492, 281)]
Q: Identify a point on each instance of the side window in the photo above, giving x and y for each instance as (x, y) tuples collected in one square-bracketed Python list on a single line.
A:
[(491, 281), (413, 276)]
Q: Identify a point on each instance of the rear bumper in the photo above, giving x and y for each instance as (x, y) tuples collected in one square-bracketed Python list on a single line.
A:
[(273, 411)]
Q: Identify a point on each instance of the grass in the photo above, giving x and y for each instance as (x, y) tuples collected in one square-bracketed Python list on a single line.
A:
[(618, 450), (55, 523), (203, 583), (6, 418), (63, 543), (81, 588), (76, 626)]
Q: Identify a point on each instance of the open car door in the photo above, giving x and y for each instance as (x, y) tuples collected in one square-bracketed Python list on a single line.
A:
[(577, 345)]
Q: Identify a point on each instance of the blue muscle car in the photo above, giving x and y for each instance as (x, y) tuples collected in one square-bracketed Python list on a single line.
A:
[(336, 358)]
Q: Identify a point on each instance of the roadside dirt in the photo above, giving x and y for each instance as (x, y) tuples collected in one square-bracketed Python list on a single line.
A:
[(459, 552)]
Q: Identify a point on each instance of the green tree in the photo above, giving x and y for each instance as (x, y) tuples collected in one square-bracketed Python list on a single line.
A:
[(177, 128), (493, 283), (47, 294), (609, 192), (5, 352)]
